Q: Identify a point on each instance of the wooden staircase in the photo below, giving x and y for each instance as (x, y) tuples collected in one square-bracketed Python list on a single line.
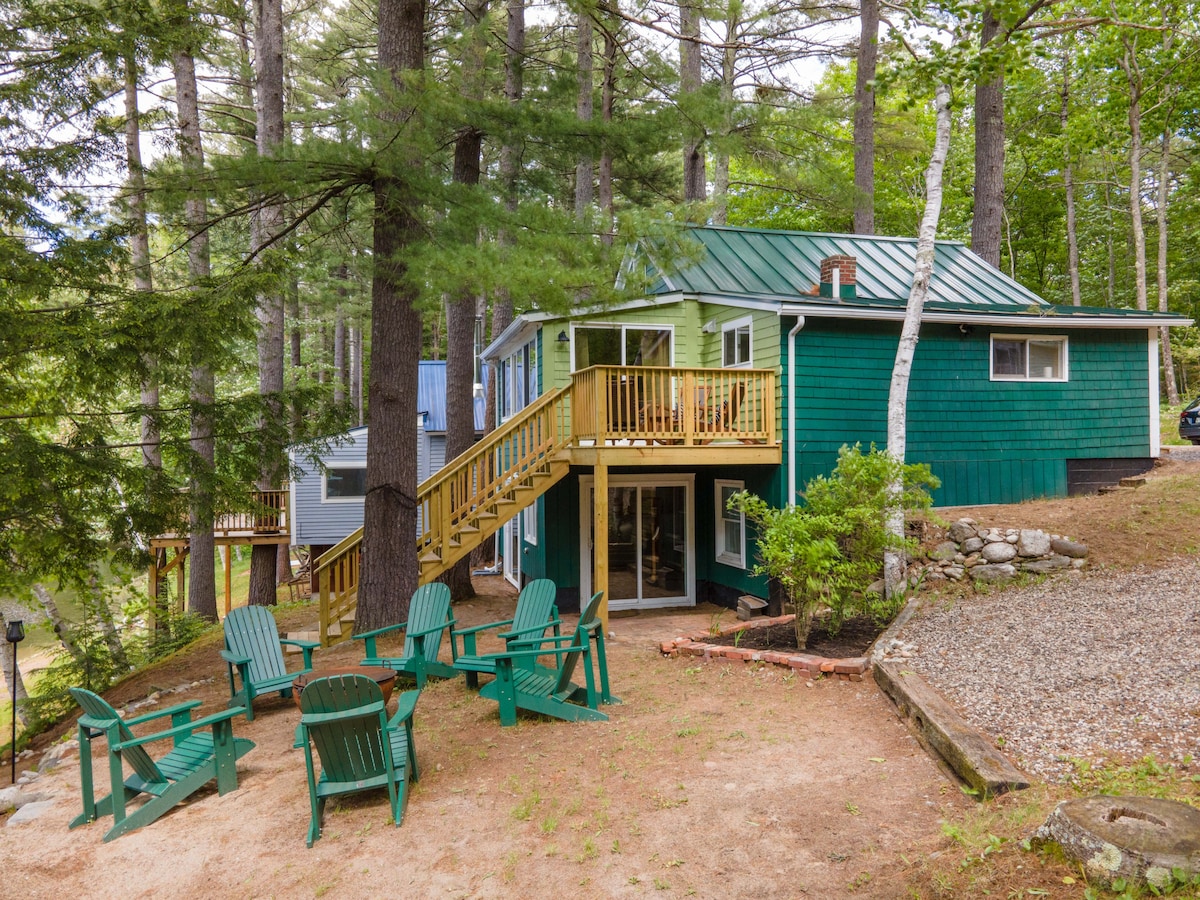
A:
[(461, 505)]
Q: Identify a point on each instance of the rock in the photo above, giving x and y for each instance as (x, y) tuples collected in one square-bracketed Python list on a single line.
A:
[(30, 812), (1069, 548), (877, 587), (994, 574), (14, 798), (27, 777), (1078, 563), (955, 573), (960, 558), (1140, 839), (1049, 564), (972, 545), (1033, 542), (991, 536), (998, 553), (935, 575), (962, 529), (944, 550)]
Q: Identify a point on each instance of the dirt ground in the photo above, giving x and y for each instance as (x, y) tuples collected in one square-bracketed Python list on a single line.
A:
[(711, 779)]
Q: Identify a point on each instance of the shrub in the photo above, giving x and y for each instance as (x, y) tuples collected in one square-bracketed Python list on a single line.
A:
[(826, 553)]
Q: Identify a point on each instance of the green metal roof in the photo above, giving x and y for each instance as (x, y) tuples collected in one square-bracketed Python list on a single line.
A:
[(785, 265)]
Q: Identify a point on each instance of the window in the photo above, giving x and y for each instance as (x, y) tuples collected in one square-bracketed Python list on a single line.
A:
[(621, 345), (1016, 358), (530, 520), (345, 484), (731, 526), (518, 380), (735, 344)]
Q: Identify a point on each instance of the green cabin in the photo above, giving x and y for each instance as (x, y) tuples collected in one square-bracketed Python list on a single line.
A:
[(753, 362)]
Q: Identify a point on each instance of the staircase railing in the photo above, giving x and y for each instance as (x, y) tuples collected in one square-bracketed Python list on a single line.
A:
[(470, 488)]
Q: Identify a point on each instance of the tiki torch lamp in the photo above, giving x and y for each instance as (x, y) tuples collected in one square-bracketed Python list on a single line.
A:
[(14, 634)]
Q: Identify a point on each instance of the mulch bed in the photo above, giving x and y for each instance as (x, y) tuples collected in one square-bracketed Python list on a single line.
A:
[(853, 639)]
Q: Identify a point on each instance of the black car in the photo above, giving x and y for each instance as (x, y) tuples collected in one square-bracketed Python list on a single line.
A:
[(1189, 422)]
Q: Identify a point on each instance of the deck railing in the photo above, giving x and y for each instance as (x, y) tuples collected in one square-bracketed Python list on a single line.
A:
[(269, 514), (687, 406)]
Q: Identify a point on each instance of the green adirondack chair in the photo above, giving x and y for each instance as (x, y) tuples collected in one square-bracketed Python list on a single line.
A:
[(345, 719), (194, 760), (536, 611), (523, 684), (254, 648), (428, 618)]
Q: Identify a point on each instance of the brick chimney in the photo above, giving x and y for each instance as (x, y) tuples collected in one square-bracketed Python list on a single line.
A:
[(846, 269)]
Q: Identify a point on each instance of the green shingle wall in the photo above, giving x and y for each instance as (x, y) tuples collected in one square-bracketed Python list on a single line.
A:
[(989, 441)]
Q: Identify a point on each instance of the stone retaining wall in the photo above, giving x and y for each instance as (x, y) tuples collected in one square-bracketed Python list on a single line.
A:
[(991, 555)]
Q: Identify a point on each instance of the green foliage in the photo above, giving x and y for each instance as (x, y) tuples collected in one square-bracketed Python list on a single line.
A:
[(827, 553)]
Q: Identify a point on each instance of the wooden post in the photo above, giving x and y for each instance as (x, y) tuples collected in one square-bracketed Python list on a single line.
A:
[(228, 554), (689, 407), (179, 580), (152, 590), (600, 537)]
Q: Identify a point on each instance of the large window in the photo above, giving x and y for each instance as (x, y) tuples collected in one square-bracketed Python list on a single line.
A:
[(518, 380), (345, 484), (735, 344), (1016, 358), (731, 526), (622, 345)]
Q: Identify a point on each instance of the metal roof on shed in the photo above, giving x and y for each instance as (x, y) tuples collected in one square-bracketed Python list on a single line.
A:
[(431, 396), (787, 265)]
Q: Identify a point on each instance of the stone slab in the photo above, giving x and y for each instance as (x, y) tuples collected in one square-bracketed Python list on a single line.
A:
[(939, 726)]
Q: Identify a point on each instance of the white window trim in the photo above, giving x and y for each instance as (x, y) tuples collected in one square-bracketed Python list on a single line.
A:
[(1060, 338), (622, 326), (529, 523), (723, 555), (506, 367), (745, 322), (325, 498)]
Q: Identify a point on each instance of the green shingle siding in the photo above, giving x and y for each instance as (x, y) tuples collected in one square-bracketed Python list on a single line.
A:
[(989, 441)]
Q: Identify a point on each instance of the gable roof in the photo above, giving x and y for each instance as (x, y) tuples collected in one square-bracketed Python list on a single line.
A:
[(787, 266), (431, 396)]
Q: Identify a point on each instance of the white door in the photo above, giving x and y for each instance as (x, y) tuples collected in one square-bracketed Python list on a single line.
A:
[(511, 544), (651, 546)]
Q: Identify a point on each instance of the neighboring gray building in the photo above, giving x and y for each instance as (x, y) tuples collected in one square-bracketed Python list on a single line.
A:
[(327, 500)]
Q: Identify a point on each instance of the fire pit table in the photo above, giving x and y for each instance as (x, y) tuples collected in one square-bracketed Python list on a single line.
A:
[(381, 675)]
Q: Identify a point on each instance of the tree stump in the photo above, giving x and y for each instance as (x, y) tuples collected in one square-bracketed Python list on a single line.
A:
[(1140, 839)]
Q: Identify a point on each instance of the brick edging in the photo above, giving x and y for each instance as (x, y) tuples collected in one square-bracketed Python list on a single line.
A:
[(848, 669)]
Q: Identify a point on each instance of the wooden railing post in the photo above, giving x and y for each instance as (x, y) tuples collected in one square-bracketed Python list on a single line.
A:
[(688, 407)]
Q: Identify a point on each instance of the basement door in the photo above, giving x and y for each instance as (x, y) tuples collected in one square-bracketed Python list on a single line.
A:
[(651, 541)]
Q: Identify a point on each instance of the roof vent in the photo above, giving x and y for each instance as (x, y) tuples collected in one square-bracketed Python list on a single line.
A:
[(839, 277)]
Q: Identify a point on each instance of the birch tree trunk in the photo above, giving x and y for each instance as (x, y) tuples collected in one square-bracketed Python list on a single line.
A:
[(16, 692), (1133, 73), (897, 421), (1069, 184), (864, 119), (1164, 336), (607, 93)]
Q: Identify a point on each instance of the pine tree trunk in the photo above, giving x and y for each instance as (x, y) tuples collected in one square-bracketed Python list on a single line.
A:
[(690, 81), (265, 225), (720, 213), (864, 118), (1133, 73), (987, 225), (584, 107), (202, 586), (604, 176), (910, 331), (356, 373), (339, 357), (389, 567)]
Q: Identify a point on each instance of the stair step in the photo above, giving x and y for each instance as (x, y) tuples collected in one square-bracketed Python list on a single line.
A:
[(467, 529), (301, 636), (484, 514)]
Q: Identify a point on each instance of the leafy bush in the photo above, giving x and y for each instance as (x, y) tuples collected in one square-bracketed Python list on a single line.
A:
[(827, 552)]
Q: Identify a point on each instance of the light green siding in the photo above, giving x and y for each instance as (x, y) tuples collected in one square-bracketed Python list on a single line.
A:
[(989, 441)]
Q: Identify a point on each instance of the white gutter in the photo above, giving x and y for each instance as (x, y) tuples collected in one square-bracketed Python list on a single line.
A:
[(973, 318), (791, 406), (1155, 421)]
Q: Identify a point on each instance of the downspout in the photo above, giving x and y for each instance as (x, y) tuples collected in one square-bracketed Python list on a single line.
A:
[(791, 407)]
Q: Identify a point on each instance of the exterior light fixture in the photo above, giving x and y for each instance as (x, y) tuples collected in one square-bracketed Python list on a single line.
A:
[(562, 337), (14, 634)]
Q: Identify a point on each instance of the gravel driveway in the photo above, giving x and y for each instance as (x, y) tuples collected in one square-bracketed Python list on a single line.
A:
[(1081, 667)]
